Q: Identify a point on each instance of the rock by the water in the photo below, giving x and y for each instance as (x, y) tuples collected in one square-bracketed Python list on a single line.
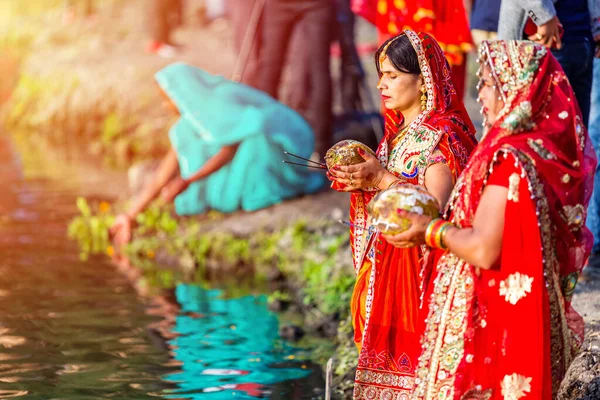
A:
[(291, 332)]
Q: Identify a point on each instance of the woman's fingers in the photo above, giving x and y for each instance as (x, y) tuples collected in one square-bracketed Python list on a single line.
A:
[(368, 157), (340, 174), (408, 215), (399, 243), (349, 168)]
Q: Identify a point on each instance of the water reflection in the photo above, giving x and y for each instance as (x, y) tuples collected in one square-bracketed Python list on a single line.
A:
[(78, 330), (228, 347)]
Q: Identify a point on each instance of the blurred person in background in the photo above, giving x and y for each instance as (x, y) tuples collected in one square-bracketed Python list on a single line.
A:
[(593, 221), (244, 34), (445, 20), (484, 20), (164, 17), (281, 19), (351, 74), (226, 149), (74, 8), (574, 48)]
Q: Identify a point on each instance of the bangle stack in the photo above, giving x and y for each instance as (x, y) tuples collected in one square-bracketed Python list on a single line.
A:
[(435, 233)]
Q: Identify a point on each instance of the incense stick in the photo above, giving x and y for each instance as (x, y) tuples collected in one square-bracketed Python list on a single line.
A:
[(306, 166), (350, 224), (305, 159)]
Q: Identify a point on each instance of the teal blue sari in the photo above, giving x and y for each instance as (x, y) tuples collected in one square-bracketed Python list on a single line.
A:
[(216, 112)]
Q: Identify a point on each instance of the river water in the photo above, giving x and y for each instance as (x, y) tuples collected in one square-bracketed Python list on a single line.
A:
[(72, 329)]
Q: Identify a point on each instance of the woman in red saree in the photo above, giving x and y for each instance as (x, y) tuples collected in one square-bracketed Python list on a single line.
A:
[(497, 318), (428, 139), (445, 20)]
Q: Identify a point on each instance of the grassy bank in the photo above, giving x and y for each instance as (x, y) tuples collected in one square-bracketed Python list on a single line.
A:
[(305, 266)]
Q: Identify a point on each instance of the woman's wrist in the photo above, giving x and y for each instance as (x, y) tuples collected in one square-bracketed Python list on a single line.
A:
[(387, 181), (436, 233)]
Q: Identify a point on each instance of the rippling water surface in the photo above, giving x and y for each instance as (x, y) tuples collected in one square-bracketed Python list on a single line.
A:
[(77, 330)]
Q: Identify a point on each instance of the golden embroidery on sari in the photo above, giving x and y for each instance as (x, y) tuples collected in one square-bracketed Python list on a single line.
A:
[(513, 187), (393, 380), (515, 386), (519, 119), (359, 233), (575, 216), (538, 146), (443, 341), (514, 70), (381, 378), (515, 287), (563, 344), (580, 131), (569, 283), (410, 159)]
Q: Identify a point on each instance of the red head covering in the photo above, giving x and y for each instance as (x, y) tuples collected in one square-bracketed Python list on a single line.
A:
[(541, 122), (445, 110)]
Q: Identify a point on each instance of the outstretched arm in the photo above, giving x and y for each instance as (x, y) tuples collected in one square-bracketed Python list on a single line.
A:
[(121, 229), (215, 163), (164, 183)]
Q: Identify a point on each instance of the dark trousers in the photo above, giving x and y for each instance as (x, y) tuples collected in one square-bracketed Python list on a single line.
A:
[(351, 71), (281, 18), (577, 60)]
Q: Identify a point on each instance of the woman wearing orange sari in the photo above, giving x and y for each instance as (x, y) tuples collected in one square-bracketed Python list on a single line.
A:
[(428, 139), (445, 20), (498, 322)]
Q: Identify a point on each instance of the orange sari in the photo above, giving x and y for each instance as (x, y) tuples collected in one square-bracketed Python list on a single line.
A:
[(387, 294)]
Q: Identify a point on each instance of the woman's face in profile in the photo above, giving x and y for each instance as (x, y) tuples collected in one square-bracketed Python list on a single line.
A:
[(399, 90), (489, 95)]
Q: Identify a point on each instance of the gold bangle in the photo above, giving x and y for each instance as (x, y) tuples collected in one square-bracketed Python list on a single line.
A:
[(442, 234), (394, 183)]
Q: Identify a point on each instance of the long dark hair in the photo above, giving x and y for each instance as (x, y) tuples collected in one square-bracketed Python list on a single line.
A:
[(401, 54)]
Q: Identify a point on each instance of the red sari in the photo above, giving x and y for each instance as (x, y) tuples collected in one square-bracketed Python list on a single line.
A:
[(445, 20), (385, 302), (510, 332)]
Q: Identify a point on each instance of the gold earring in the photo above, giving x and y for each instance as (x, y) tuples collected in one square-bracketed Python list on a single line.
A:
[(423, 98)]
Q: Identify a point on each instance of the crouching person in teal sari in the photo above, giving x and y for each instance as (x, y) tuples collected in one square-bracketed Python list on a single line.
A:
[(226, 149)]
